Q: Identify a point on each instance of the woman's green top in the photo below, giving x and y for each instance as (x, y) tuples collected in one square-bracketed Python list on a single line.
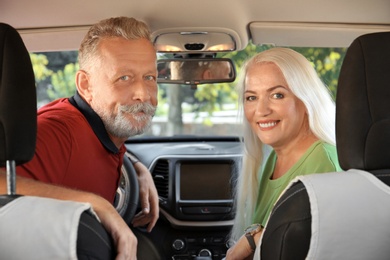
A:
[(321, 157)]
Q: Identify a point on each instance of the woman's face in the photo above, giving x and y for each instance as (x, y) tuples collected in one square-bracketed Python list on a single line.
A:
[(274, 113)]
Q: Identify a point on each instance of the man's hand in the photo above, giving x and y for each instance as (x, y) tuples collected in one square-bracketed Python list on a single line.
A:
[(124, 238), (148, 197)]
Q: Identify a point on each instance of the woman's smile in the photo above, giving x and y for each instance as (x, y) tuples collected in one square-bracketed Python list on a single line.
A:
[(268, 125)]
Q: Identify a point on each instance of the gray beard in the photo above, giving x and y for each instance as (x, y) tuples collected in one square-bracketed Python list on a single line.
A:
[(121, 127)]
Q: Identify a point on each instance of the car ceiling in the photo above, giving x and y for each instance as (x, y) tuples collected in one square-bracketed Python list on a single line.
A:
[(60, 25)]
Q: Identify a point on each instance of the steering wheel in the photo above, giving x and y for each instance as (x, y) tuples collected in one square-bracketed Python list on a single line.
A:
[(127, 194)]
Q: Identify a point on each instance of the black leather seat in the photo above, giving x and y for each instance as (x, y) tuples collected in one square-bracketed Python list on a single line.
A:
[(18, 126), (363, 141)]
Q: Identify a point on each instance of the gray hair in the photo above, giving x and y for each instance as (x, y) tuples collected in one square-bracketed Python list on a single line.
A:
[(123, 27)]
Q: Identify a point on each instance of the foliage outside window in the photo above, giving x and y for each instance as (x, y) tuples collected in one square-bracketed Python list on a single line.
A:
[(210, 109)]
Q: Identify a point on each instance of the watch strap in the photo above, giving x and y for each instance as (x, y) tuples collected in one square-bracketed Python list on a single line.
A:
[(250, 232), (251, 241)]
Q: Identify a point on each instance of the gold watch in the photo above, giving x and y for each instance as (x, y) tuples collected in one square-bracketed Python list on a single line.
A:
[(250, 232)]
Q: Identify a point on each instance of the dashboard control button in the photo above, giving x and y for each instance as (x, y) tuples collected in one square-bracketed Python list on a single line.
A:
[(204, 252), (178, 244)]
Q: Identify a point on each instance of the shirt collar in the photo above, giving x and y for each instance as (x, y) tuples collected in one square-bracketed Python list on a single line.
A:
[(94, 121)]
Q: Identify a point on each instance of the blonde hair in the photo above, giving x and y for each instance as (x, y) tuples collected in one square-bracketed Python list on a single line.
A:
[(123, 27), (305, 84)]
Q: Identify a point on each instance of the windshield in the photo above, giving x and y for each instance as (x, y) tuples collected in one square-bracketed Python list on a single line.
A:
[(202, 110)]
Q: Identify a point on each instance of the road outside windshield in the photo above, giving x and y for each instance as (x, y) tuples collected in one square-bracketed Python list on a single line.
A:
[(207, 110)]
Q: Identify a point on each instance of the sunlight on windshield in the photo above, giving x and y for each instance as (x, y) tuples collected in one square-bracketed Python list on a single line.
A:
[(207, 110)]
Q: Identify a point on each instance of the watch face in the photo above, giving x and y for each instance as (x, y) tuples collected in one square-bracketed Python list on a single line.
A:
[(252, 228)]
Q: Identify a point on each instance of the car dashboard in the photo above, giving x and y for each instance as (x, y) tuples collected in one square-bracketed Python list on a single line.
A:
[(194, 177)]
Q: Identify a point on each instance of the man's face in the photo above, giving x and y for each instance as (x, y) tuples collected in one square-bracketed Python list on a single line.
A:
[(221, 70), (123, 86)]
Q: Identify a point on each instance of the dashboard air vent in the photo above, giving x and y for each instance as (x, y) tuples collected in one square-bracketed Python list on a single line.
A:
[(161, 176)]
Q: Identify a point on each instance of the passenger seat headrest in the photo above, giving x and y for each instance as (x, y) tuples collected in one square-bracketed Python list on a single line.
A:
[(363, 104)]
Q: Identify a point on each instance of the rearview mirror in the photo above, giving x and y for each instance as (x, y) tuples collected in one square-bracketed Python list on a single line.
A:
[(195, 71)]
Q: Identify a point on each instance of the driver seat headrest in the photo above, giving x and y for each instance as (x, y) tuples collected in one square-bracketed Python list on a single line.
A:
[(18, 109)]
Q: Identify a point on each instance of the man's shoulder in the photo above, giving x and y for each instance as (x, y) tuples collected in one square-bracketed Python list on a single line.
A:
[(60, 108), (60, 113)]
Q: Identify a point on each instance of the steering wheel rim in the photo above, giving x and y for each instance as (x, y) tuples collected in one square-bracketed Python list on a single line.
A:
[(127, 196)]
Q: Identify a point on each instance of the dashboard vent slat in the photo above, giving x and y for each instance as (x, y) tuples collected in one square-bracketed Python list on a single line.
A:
[(161, 178)]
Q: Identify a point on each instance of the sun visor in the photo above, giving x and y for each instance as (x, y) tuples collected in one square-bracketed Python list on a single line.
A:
[(310, 35), (53, 39)]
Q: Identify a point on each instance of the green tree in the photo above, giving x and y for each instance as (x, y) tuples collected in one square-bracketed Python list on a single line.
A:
[(54, 74), (211, 97), (40, 62), (208, 98), (327, 62), (63, 82)]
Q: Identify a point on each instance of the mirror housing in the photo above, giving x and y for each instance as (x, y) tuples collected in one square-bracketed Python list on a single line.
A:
[(195, 71)]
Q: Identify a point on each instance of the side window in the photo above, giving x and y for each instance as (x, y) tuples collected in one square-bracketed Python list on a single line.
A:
[(54, 75)]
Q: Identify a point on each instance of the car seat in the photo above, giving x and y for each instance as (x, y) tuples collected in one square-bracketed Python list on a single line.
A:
[(344, 215), (33, 227)]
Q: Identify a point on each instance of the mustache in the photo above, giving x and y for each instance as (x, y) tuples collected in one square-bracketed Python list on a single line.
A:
[(146, 108)]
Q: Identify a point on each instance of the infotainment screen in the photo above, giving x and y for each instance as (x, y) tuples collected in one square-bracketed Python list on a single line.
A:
[(206, 181)]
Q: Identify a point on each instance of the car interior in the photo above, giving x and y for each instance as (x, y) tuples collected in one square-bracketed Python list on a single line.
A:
[(193, 149)]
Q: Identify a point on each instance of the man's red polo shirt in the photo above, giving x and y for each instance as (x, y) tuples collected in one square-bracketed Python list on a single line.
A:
[(73, 149)]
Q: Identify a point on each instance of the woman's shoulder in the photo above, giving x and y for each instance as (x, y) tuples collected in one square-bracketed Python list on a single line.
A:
[(324, 155), (322, 147)]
